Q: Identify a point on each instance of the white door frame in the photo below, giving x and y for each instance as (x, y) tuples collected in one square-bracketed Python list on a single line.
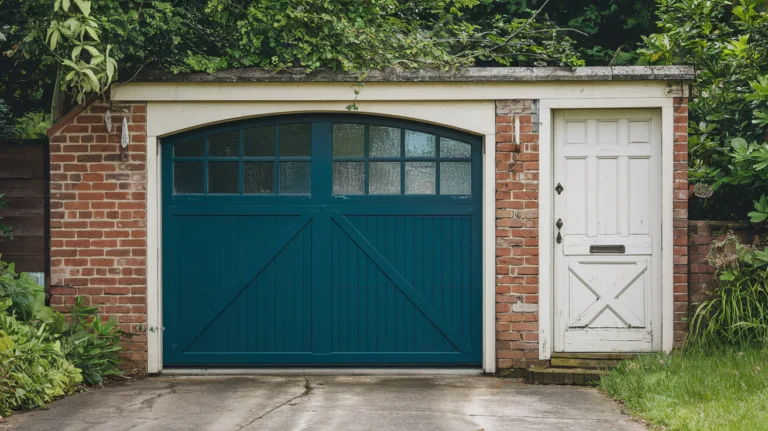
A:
[(546, 209), (475, 117)]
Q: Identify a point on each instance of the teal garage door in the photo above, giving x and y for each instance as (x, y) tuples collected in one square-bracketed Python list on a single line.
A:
[(322, 240)]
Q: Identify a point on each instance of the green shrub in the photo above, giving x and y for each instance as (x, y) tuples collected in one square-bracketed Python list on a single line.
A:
[(92, 344), (737, 312), (726, 41), (27, 298), (32, 125), (41, 355), (5, 230), (33, 368)]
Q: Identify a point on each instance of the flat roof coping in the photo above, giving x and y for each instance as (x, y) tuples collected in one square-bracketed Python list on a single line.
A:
[(470, 74)]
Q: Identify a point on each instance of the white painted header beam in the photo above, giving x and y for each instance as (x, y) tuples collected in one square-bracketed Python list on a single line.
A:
[(390, 91)]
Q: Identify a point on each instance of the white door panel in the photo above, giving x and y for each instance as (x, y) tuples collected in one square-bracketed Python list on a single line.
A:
[(608, 163)]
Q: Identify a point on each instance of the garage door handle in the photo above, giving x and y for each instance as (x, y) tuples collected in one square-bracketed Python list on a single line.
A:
[(617, 248)]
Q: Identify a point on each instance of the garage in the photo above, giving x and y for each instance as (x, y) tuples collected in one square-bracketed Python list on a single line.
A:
[(320, 239)]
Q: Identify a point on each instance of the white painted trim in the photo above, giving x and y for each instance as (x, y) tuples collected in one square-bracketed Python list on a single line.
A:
[(386, 91), (546, 209), (166, 118), (489, 251), (667, 225), (478, 117), (154, 296), (546, 169)]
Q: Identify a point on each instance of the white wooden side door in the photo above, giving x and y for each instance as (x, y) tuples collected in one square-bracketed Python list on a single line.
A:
[(608, 258)]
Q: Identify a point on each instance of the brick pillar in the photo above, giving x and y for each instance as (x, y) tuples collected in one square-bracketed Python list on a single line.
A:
[(98, 217), (517, 250), (680, 219)]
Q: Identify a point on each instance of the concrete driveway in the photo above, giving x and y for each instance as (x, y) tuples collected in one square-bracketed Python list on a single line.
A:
[(329, 403)]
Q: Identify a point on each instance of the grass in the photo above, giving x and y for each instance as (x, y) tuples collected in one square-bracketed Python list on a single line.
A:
[(715, 390)]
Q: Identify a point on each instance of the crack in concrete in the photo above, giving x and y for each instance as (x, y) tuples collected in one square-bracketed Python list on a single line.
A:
[(149, 402), (307, 390)]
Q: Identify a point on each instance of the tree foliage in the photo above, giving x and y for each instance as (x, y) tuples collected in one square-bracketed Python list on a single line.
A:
[(727, 42), (82, 37), (604, 31)]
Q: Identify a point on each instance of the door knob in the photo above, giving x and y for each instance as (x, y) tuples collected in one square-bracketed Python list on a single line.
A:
[(559, 189), (559, 225)]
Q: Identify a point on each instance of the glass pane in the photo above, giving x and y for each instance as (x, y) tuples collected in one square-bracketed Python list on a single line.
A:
[(225, 144), (420, 178), (258, 177), (384, 141), (451, 148), (384, 178), (259, 142), (348, 178), (187, 177), (294, 140), (189, 148), (455, 178), (223, 177), (419, 144), (294, 177), (348, 140)]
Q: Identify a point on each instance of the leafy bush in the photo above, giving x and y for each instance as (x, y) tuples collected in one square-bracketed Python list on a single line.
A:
[(727, 42), (737, 313), (32, 125), (27, 298), (5, 230), (33, 368), (92, 344), (6, 120), (41, 355)]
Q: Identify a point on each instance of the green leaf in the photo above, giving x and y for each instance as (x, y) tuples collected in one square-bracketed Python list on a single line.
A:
[(94, 80), (94, 33), (757, 217), (85, 6), (76, 53)]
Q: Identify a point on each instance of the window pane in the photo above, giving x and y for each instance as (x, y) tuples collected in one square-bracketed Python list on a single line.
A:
[(348, 140), (294, 177), (419, 144), (451, 148), (258, 177), (223, 177), (384, 178), (348, 178), (187, 177), (294, 140), (189, 148), (455, 178), (420, 178), (225, 144), (259, 142), (384, 141)]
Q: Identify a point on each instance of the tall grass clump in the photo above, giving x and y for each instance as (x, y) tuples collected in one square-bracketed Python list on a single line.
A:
[(736, 313)]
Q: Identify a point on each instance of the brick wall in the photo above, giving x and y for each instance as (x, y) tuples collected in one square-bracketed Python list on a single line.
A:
[(701, 236), (98, 216), (517, 236), (680, 219)]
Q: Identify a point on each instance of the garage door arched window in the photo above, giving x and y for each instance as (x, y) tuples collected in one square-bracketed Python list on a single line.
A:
[(255, 160), (373, 158), (322, 239), (383, 160)]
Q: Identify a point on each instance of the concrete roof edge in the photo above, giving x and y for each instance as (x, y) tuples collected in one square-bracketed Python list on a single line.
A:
[(471, 74)]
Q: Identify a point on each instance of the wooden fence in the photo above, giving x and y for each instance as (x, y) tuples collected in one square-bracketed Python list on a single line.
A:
[(24, 179)]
